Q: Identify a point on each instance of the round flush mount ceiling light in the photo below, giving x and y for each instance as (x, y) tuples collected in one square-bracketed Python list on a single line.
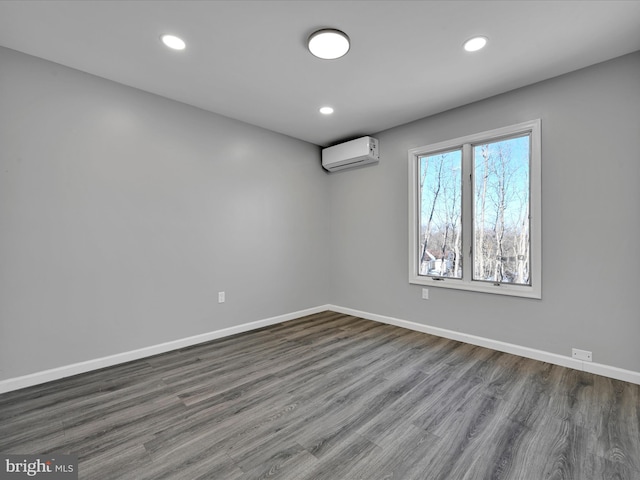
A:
[(328, 43), (326, 110), (173, 42), (474, 44)]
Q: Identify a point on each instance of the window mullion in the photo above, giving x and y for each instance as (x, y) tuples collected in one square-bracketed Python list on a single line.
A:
[(467, 212)]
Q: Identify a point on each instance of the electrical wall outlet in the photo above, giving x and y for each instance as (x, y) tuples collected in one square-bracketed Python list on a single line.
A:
[(581, 355), (425, 294), (220, 297)]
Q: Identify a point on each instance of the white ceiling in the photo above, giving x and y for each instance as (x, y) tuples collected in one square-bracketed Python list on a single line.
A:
[(248, 60)]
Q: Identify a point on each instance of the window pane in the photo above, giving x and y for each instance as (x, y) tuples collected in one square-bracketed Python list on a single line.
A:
[(440, 207), (501, 247)]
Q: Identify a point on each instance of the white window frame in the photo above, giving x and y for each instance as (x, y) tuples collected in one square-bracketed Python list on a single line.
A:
[(535, 178)]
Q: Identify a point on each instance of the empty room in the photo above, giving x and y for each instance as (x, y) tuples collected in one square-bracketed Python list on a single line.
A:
[(320, 240)]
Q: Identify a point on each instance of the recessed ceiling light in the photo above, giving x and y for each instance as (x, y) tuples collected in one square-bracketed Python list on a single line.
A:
[(326, 110), (174, 42), (474, 44), (328, 44)]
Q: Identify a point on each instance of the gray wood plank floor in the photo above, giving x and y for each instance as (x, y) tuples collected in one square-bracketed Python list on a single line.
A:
[(335, 397)]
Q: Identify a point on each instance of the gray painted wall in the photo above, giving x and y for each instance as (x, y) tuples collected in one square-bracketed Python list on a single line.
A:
[(591, 221), (122, 214)]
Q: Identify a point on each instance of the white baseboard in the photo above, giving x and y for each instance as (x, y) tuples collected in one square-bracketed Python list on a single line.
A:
[(564, 361), (95, 364)]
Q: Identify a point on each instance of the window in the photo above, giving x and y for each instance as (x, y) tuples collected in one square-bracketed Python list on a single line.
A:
[(474, 206)]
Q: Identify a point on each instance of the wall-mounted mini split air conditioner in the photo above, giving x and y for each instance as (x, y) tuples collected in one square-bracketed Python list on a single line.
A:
[(351, 154)]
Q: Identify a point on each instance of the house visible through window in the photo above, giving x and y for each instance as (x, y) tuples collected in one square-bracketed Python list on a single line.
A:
[(475, 212)]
